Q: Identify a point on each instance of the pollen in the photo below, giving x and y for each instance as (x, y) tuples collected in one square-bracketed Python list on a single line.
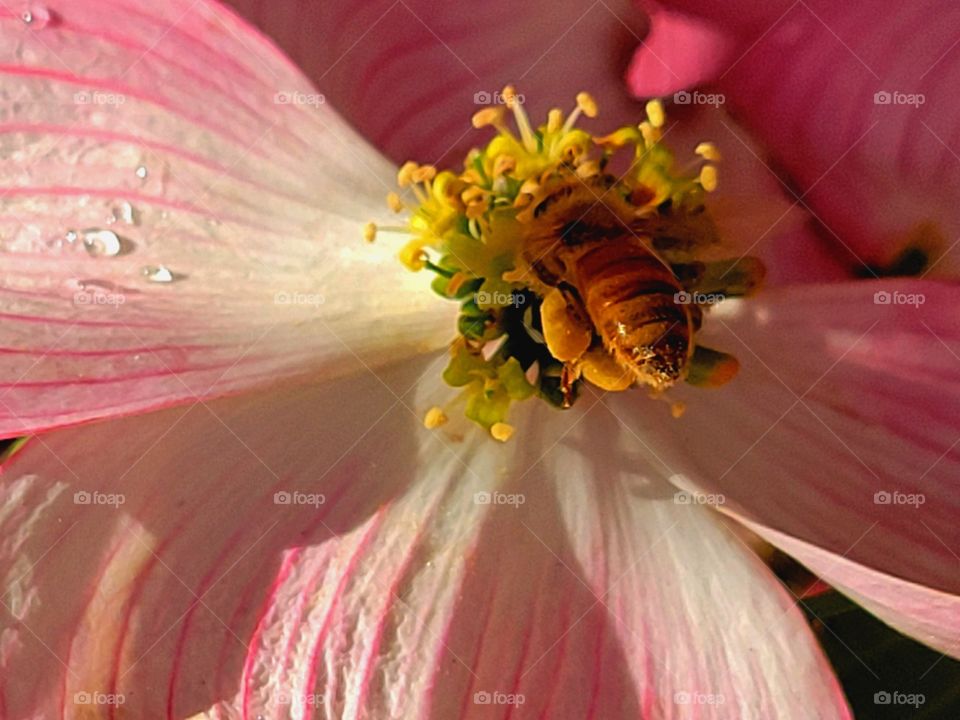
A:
[(370, 232), (501, 432), (655, 113), (708, 177), (434, 418)]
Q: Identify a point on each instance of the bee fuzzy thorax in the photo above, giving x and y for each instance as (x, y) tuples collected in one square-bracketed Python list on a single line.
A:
[(567, 272)]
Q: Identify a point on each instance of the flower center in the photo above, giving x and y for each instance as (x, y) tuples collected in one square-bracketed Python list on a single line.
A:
[(569, 270)]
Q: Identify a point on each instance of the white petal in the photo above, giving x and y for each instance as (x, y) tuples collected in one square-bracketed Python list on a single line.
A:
[(401, 594)]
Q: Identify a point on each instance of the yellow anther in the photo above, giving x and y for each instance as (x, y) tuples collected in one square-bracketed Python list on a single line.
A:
[(413, 256), (651, 136), (434, 418), (394, 202), (554, 120), (472, 194), (509, 95), (405, 174), (424, 173), (502, 431), (708, 177), (488, 116), (708, 151), (503, 164), (587, 105), (655, 113), (370, 232), (588, 169)]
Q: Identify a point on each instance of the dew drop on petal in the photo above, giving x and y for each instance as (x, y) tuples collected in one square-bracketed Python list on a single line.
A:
[(142, 172), (160, 274), (126, 213), (105, 243), (36, 16)]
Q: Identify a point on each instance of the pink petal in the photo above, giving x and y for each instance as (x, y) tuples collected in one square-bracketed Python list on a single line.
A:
[(247, 221), (880, 176), (399, 595), (408, 74), (930, 615), (680, 52), (838, 399)]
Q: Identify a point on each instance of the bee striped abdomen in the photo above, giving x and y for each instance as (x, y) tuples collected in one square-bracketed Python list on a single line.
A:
[(629, 295)]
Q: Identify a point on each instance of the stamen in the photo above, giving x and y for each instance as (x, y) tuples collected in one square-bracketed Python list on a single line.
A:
[(708, 151), (586, 105), (370, 232), (708, 177), (405, 174), (520, 115), (395, 203), (655, 113), (554, 120), (490, 116)]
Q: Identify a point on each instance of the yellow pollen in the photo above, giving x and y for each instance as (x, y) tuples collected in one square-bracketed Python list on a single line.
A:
[(554, 120), (488, 116), (650, 134), (405, 174), (587, 105), (424, 174), (708, 177), (501, 431), (370, 232), (655, 113), (708, 151), (394, 202), (434, 418)]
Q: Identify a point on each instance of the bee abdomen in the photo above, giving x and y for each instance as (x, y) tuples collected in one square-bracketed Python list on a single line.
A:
[(630, 297)]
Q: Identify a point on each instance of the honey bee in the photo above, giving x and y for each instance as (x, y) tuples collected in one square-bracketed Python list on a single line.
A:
[(585, 239)]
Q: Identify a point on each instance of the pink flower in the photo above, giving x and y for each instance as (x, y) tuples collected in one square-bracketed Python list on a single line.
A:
[(181, 214)]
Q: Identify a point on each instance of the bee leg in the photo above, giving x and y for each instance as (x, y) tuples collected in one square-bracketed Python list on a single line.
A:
[(568, 376), (731, 278), (711, 368)]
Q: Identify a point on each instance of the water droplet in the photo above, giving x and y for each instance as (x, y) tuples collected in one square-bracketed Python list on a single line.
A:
[(142, 172), (161, 274), (71, 236), (36, 16), (105, 243), (126, 213)]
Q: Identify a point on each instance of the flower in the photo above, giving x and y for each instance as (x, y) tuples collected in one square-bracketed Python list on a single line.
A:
[(307, 547)]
